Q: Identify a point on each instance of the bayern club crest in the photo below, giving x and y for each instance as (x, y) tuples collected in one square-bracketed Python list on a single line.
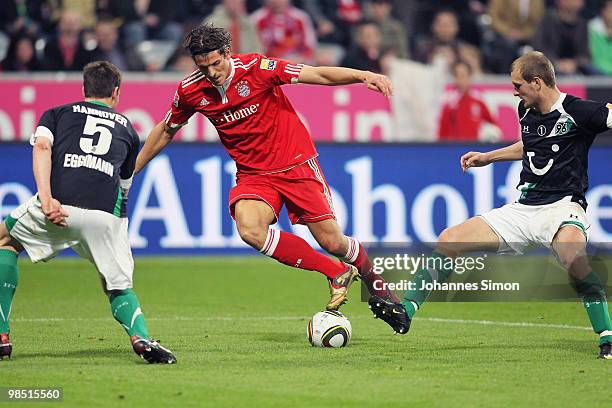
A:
[(243, 89)]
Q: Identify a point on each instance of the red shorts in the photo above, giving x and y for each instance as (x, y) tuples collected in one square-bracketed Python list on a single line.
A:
[(302, 189)]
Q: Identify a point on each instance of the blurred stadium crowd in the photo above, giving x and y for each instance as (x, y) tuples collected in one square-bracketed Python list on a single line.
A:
[(145, 35)]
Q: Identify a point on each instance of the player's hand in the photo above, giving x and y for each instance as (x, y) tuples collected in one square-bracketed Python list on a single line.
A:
[(380, 83), (54, 212), (473, 159)]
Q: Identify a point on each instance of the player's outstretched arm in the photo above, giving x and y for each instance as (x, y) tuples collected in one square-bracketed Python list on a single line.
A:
[(345, 76), (160, 137), (478, 159), (41, 166)]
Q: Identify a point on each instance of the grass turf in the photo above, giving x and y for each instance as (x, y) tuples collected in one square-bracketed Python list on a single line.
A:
[(237, 326)]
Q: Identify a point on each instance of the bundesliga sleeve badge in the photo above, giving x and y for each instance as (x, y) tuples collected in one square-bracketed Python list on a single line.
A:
[(267, 64)]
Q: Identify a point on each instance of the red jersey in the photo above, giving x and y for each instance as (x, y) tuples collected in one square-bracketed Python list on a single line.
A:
[(255, 121), (286, 34), (462, 115)]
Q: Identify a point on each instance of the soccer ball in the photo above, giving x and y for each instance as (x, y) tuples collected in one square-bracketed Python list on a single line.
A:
[(329, 329)]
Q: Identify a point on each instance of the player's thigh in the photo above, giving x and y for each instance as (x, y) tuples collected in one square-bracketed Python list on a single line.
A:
[(471, 235), (569, 247), (329, 236), (306, 194), (255, 201), (549, 224), (251, 213), (511, 224), (103, 239), (8, 242), (41, 239)]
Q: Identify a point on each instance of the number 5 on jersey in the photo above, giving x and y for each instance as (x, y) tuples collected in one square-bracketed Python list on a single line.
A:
[(95, 125)]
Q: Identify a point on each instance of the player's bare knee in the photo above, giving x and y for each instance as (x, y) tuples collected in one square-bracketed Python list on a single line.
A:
[(253, 235), (575, 263), (448, 242), (449, 236), (566, 261), (332, 245)]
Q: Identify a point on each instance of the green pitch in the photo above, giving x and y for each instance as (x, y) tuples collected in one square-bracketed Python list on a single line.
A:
[(237, 327)]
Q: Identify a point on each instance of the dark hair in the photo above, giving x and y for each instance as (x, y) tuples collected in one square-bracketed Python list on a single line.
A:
[(10, 62), (461, 62), (100, 78), (445, 11), (535, 64), (207, 38)]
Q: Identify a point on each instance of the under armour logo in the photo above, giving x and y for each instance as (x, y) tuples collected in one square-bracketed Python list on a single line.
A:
[(297, 264), (525, 129)]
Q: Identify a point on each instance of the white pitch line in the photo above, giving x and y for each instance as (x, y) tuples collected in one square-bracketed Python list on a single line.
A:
[(505, 324), (175, 318), (288, 318)]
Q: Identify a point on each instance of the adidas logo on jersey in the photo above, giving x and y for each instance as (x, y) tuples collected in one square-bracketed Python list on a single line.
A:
[(204, 102)]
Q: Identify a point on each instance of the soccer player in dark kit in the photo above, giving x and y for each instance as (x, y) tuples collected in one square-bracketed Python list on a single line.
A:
[(557, 131), (83, 160)]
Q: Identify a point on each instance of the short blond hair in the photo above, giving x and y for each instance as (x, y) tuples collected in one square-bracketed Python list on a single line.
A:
[(535, 64)]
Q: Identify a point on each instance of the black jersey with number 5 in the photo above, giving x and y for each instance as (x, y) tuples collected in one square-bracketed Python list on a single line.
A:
[(93, 155), (556, 146)]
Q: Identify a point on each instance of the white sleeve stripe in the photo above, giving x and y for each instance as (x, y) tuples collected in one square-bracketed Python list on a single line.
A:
[(610, 118), (172, 125), (190, 76), (126, 184), (194, 80), (42, 131)]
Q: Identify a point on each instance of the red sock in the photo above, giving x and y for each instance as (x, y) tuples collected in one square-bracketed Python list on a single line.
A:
[(358, 257), (289, 249)]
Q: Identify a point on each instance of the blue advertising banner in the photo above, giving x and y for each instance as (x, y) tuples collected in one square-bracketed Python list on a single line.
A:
[(381, 192)]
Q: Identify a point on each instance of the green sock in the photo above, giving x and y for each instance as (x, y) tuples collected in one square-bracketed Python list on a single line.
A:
[(9, 276), (126, 310), (593, 296), (441, 267)]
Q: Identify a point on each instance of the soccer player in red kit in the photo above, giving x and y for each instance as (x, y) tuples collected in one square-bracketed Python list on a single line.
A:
[(274, 154)]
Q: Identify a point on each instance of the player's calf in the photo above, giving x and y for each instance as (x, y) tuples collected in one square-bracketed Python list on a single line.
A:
[(375, 283)]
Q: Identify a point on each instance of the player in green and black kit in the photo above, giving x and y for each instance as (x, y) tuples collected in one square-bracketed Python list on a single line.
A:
[(557, 131), (83, 159)]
